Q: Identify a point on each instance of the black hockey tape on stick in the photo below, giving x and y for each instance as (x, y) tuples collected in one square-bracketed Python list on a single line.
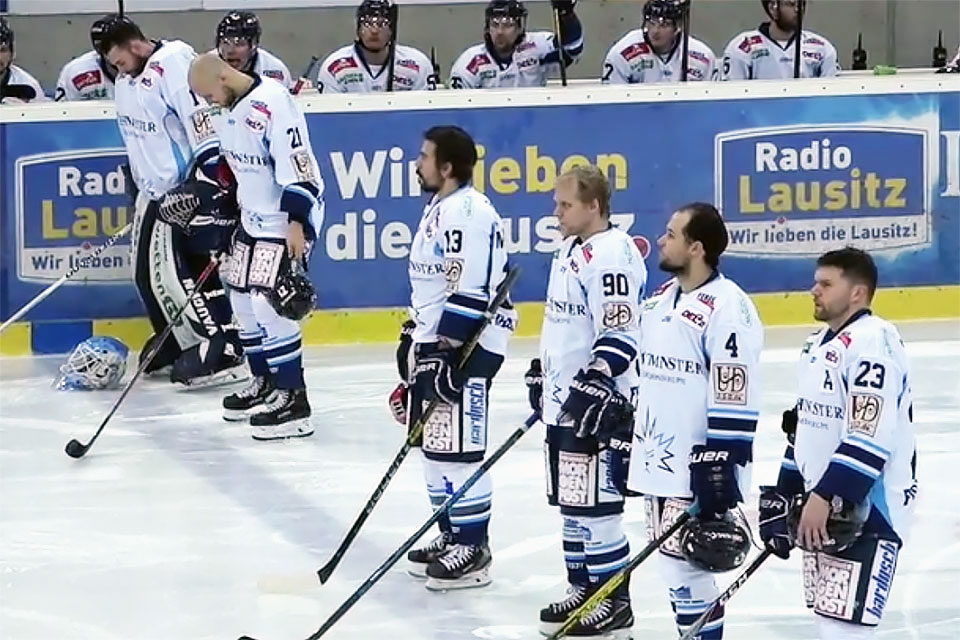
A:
[(74, 448), (84, 262), (618, 578), (305, 76), (558, 35), (685, 50), (416, 430), (394, 19), (693, 630), (799, 39)]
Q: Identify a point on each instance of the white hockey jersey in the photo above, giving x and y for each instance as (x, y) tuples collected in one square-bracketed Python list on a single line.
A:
[(85, 77), (632, 60), (165, 126), (533, 61), (855, 435), (754, 55), (592, 310), (265, 140), (457, 263), (18, 76), (270, 66), (699, 383), (347, 71)]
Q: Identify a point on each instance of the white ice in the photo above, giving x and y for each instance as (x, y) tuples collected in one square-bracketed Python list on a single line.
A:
[(179, 525)]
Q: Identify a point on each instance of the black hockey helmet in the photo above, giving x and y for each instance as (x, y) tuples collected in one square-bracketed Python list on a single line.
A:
[(661, 10), (240, 24), (113, 29), (844, 524), (293, 295), (375, 8), (6, 33), (512, 9), (715, 545)]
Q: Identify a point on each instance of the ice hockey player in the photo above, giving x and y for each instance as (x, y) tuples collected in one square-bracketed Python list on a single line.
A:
[(699, 402), (767, 52), (264, 137), (364, 66), (238, 43), (88, 76), (654, 52), (585, 382), (457, 264), (16, 85), (511, 57), (853, 452), (173, 149)]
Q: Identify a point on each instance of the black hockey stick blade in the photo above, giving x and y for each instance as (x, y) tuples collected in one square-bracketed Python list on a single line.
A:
[(75, 448), (618, 578), (724, 597), (499, 299)]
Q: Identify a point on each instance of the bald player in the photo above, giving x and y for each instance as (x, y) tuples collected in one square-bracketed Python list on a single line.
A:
[(263, 136)]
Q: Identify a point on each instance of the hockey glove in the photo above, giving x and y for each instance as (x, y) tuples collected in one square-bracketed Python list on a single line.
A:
[(403, 349), (534, 381), (619, 445), (789, 423), (595, 406), (565, 7), (774, 508), (438, 375), (183, 203), (713, 480), (399, 401)]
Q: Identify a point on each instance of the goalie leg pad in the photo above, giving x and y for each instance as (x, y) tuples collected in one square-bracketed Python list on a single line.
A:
[(852, 586), (581, 477), (469, 517)]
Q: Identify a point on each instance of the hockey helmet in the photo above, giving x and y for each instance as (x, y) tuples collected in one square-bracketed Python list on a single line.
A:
[(375, 9), (240, 24), (663, 10), (844, 524), (96, 363), (715, 545), (6, 33), (293, 295), (112, 29), (512, 9)]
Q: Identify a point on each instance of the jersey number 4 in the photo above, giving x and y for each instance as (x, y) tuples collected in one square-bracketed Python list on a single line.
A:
[(870, 374)]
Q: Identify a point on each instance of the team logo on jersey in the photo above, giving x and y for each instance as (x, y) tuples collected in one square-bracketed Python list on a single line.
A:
[(587, 253), (576, 479), (202, 124), (343, 63), (528, 63), (86, 79), (478, 61), (155, 66), (617, 315), (832, 356), (729, 384), (748, 42), (276, 74), (845, 339), (303, 166), (708, 300), (694, 319), (865, 410), (452, 270), (835, 586), (257, 126), (525, 45), (634, 50), (407, 63)]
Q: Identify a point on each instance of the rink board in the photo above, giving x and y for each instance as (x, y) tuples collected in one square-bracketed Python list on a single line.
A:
[(796, 169)]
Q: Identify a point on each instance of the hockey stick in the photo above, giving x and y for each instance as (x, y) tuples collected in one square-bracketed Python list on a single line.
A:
[(412, 540), (685, 49), (621, 576), (558, 34), (75, 449), (725, 596), (83, 262), (305, 77), (326, 570), (120, 8), (394, 18), (799, 36)]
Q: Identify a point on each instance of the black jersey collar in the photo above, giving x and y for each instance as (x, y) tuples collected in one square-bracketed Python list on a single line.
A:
[(765, 30)]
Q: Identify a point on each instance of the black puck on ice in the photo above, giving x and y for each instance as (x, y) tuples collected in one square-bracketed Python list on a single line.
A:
[(75, 449)]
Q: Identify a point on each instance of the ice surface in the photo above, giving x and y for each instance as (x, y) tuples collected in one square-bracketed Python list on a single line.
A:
[(179, 525)]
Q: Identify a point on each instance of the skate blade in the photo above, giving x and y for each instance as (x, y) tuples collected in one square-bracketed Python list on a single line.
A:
[(473, 581), (547, 629), (417, 570), (239, 373), (242, 415), (294, 429)]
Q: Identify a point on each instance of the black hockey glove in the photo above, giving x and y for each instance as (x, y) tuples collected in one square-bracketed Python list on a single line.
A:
[(713, 480), (533, 378), (438, 375), (403, 349), (619, 445), (595, 405), (774, 509), (183, 203), (789, 423), (564, 6)]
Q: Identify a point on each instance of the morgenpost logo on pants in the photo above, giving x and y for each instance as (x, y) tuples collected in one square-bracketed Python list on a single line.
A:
[(67, 205), (808, 189)]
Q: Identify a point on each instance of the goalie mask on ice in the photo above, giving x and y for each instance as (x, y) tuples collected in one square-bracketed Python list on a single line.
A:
[(95, 363)]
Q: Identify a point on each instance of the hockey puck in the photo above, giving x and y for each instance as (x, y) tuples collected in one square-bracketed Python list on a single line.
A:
[(75, 449)]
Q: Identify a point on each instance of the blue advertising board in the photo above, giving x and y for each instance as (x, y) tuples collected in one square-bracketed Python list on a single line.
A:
[(793, 176)]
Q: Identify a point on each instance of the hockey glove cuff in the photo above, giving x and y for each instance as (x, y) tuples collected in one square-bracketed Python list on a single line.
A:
[(533, 378), (595, 405), (774, 510), (438, 375), (713, 480), (403, 349)]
